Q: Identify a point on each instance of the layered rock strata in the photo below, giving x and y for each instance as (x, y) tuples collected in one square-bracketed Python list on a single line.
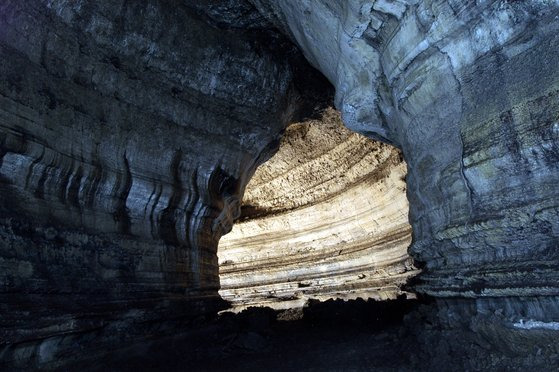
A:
[(128, 131), (140, 124), (469, 91), (325, 217)]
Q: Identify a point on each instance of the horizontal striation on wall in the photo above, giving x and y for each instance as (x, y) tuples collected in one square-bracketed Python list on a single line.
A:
[(325, 218)]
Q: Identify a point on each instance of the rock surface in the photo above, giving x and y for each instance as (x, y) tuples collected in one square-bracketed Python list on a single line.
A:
[(343, 335), (469, 92), (129, 131), (325, 217)]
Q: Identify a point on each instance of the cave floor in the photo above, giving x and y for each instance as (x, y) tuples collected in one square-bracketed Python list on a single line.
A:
[(334, 335), (357, 335)]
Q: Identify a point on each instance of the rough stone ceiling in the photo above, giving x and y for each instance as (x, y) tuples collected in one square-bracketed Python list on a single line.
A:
[(326, 217)]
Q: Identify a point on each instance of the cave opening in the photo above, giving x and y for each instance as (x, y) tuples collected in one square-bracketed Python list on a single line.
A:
[(325, 218)]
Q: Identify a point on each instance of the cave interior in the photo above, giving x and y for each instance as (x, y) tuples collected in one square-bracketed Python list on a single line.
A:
[(283, 185)]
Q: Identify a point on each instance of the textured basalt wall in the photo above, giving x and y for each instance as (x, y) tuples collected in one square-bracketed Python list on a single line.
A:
[(127, 133), (469, 92), (129, 130), (326, 217)]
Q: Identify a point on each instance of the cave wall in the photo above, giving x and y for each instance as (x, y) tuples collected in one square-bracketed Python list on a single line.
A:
[(468, 90), (127, 133)]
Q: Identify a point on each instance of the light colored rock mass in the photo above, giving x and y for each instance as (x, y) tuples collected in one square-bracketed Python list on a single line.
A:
[(325, 217)]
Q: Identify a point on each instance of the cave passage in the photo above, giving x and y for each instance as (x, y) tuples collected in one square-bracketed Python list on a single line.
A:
[(129, 131), (325, 218)]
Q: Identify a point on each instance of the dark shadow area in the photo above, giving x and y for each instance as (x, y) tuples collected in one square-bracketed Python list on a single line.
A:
[(332, 335)]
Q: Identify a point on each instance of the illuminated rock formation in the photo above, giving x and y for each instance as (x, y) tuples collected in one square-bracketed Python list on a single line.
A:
[(326, 217), (469, 91), (129, 131)]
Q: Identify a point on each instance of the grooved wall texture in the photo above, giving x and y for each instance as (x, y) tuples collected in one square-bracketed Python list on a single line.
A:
[(129, 131), (326, 217), (469, 91)]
